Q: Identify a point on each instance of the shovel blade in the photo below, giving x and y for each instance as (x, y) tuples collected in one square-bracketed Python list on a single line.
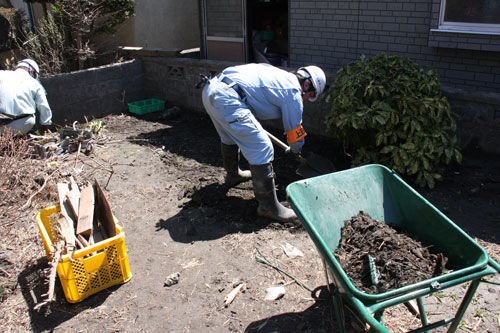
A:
[(320, 164), (306, 171)]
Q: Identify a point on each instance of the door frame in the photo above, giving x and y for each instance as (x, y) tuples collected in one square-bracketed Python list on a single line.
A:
[(206, 39)]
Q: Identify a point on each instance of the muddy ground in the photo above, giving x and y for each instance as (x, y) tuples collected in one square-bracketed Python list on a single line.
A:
[(163, 177)]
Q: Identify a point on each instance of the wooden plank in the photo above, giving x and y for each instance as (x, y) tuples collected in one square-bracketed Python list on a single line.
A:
[(144, 51), (67, 232), (68, 227), (74, 196), (86, 211), (104, 213), (413, 307), (82, 240)]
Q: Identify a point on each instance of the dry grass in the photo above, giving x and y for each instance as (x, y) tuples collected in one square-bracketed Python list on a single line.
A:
[(27, 185)]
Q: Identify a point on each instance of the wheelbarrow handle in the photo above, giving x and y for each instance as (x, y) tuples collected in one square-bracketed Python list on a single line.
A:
[(283, 146)]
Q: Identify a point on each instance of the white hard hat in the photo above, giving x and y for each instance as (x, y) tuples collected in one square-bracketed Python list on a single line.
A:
[(30, 64), (318, 79)]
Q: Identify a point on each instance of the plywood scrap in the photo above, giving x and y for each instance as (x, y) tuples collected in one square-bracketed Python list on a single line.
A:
[(86, 211), (103, 212)]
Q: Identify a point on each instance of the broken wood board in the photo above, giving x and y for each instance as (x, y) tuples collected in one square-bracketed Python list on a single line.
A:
[(67, 226), (104, 214), (73, 197), (86, 211), (82, 240)]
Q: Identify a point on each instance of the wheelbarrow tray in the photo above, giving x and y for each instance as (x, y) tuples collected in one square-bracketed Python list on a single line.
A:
[(323, 203)]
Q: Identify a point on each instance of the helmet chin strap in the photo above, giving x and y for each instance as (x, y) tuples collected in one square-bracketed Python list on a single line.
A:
[(304, 91)]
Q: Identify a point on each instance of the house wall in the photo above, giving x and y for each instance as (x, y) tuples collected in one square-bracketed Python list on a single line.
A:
[(334, 33), (156, 24)]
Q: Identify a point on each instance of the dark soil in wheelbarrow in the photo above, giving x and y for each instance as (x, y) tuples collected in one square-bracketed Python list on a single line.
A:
[(379, 257), (163, 178)]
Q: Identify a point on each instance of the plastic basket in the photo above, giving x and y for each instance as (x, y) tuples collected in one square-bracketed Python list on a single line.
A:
[(146, 106), (94, 268)]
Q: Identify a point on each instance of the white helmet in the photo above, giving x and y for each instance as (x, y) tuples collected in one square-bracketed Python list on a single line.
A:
[(30, 64), (318, 79)]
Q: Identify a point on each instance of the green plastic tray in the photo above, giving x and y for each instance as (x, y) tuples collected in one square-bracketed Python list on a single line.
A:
[(146, 106)]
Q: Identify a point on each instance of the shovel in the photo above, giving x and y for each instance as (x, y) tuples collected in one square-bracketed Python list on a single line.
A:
[(310, 166)]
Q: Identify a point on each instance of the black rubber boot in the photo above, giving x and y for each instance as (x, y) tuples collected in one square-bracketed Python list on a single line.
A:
[(265, 193), (230, 160)]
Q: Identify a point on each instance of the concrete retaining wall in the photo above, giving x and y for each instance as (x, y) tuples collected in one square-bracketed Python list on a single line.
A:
[(94, 92), (107, 90), (175, 79)]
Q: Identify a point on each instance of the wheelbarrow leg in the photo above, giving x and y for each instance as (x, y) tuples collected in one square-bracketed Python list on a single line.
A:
[(421, 311), (337, 302), (465, 303), (379, 316)]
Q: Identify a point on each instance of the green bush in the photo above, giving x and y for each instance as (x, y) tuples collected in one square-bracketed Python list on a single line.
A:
[(389, 110)]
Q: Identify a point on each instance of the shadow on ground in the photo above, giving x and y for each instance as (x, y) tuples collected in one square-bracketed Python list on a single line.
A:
[(212, 213), (319, 317), (48, 317)]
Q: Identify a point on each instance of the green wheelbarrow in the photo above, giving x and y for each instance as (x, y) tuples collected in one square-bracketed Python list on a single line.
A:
[(323, 203)]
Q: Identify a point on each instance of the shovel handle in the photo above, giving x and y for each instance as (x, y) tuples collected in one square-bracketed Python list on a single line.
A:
[(277, 141), (283, 146)]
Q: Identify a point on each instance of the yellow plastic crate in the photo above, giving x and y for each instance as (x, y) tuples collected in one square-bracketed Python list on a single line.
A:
[(85, 276)]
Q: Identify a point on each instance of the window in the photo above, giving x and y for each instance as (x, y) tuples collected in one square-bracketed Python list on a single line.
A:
[(470, 15)]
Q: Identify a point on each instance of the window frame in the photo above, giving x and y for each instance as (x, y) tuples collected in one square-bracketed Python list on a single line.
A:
[(481, 28)]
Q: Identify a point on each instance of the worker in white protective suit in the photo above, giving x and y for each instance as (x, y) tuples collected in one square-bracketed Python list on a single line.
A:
[(21, 95), (236, 98)]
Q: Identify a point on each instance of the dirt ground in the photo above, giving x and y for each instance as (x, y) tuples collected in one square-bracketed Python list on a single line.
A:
[(163, 175)]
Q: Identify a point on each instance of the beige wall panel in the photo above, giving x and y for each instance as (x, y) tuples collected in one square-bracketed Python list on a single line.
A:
[(226, 51), (167, 24)]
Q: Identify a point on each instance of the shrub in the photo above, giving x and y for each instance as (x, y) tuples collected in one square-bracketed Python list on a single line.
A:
[(46, 46), (63, 39), (389, 110)]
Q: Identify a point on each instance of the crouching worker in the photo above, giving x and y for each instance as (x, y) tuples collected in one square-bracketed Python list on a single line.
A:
[(21, 94), (236, 98)]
